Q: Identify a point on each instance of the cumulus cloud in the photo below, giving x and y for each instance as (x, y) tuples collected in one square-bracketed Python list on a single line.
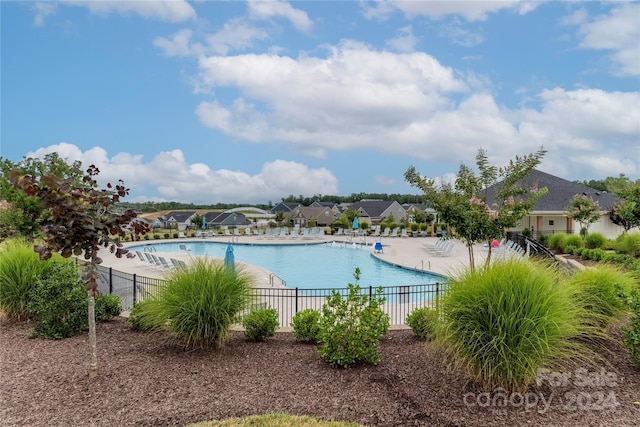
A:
[(41, 11), (163, 10), (261, 9), (409, 104), (169, 177), (617, 32)]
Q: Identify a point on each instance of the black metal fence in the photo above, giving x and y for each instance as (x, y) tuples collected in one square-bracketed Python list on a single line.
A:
[(399, 300)]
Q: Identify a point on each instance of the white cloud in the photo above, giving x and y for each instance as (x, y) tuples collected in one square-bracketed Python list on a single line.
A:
[(42, 10), (163, 10), (236, 34), (168, 176), (617, 32), (261, 9), (405, 41), (459, 35), (470, 10)]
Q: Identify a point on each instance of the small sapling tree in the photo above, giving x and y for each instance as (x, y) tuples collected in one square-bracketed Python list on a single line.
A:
[(464, 205), (81, 219), (585, 211)]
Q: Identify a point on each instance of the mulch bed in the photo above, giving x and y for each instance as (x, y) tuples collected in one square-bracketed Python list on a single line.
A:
[(145, 380)]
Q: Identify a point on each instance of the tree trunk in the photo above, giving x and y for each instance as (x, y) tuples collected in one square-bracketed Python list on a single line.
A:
[(93, 348), (471, 257)]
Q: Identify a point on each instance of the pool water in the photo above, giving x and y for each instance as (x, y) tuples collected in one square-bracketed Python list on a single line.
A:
[(311, 266)]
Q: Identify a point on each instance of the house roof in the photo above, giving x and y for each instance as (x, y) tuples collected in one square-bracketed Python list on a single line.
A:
[(560, 192), (373, 208), (179, 216)]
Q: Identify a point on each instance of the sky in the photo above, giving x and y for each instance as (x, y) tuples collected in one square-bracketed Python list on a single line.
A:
[(249, 102)]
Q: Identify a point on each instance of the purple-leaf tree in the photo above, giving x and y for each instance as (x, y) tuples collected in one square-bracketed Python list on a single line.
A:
[(82, 219)]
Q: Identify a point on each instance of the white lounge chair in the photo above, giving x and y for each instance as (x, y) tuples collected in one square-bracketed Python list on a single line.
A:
[(403, 233)]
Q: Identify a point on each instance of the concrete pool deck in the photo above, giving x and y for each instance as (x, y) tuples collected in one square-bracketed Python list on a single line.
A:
[(407, 252)]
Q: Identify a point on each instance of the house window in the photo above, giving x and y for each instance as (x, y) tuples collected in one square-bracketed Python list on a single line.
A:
[(550, 222)]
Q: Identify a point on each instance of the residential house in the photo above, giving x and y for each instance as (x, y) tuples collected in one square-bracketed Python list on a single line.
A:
[(376, 211), (227, 220), (322, 216), (178, 220), (549, 214), (285, 207)]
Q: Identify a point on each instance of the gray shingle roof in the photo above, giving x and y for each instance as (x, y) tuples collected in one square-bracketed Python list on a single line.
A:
[(374, 208), (560, 193)]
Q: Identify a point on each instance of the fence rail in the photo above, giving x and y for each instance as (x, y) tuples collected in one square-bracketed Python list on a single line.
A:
[(400, 300)]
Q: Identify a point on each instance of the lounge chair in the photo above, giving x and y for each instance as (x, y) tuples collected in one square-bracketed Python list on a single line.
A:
[(386, 232), (403, 233), (181, 235), (184, 248), (377, 248), (446, 250), (178, 263), (164, 264), (394, 232), (376, 232)]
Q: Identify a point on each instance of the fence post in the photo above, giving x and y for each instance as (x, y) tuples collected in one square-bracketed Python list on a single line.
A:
[(110, 280), (134, 289), (438, 297), (296, 306), (370, 292)]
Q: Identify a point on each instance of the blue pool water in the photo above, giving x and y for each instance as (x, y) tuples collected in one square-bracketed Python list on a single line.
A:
[(314, 266)]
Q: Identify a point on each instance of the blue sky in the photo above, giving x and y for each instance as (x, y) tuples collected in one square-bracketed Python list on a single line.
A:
[(249, 102)]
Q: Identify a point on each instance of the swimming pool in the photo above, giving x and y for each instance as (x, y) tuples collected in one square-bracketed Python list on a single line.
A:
[(311, 266)]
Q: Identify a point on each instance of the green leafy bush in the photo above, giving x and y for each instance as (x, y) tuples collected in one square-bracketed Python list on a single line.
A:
[(260, 324), (20, 268), (423, 322), (199, 303), (107, 306), (595, 241), (351, 327), (58, 305), (632, 334), (306, 325), (601, 290), (504, 322)]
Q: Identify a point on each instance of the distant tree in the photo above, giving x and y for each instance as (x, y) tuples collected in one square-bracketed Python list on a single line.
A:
[(81, 219), (279, 218), (583, 210), (627, 212), (464, 206)]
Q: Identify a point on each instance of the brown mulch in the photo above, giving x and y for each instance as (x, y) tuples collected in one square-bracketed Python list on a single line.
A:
[(145, 380)]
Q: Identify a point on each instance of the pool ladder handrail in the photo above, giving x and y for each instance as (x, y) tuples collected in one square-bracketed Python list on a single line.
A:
[(422, 265), (274, 275)]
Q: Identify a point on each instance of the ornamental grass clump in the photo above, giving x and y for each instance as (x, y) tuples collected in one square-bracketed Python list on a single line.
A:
[(199, 303), (504, 322), (20, 268), (602, 291)]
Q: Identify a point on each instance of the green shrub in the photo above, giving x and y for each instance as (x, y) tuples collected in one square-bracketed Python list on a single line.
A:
[(146, 237), (138, 317), (557, 242), (199, 303), (595, 241), (544, 240), (423, 322), (351, 327), (20, 268), (572, 250), (58, 306), (156, 236), (166, 235), (574, 240), (260, 324), (632, 334), (107, 306), (306, 325), (505, 322), (629, 243), (600, 290)]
